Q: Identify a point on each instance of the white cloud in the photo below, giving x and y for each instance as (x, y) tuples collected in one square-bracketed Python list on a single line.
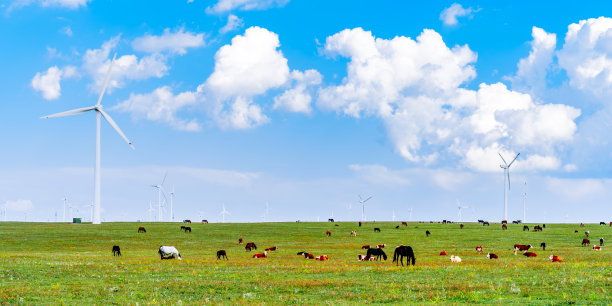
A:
[(48, 83), (298, 98), (161, 105), (66, 31), (176, 42), (71, 4), (449, 15), (531, 74), (19, 205), (228, 5), (233, 23), (378, 174), (578, 188)]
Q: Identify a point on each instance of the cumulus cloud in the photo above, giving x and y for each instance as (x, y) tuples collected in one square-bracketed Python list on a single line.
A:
[(176, 42), (531, 74), (233, 23), (48, 83), (19, 205), (298, 98), (414, 87), (228, 5), (449, 15), (161, 105)]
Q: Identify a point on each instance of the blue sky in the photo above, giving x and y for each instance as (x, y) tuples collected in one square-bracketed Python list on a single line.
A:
[(307, 104)]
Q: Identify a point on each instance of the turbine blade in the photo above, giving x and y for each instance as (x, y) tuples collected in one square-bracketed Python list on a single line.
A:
[(106, 80), (164, 180), (115, 126), (70, 112), (514, 159), (367, 199), (502, 158)]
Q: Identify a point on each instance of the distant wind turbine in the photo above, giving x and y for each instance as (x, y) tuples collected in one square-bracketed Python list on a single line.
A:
[(506, 168), (91, 207), (65, 200), (460, 207), (151, 210), (410, 217), (362, 201), (99, 112), (223, 213), (160, 192), (172, 205)]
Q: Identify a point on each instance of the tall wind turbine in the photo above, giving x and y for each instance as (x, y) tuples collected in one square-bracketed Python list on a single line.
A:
[(506, 168), (99, 112), (362, 201), (91, 206), (524, 207), (460, 207), (160, 192), (223, 213)]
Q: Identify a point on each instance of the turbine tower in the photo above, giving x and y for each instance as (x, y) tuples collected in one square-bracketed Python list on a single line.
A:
[(99, 112), (362, 201), (524, 207), (460, 207), (65, 200), (506, 168), (223, 213), (160, 192)]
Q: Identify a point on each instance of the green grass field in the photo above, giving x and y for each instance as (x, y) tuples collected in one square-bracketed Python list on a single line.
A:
[(72, 263)]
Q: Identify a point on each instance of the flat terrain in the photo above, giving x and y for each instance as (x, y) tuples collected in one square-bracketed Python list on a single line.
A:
[(73, 264)]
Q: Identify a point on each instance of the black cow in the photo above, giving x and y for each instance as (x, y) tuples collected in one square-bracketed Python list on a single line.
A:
[(427, 233), (376, 252), (602, 223), (330, 220), (401, 252), (116, 250), (601, 241), (221, 253), (376, 229), (525, 228), (186, 228), (543, 245), (250, 246)]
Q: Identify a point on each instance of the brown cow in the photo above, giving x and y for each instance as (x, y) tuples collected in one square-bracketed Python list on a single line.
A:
[(530, 254), (586, 242), (328, 234), (142, 230), (221, 253)]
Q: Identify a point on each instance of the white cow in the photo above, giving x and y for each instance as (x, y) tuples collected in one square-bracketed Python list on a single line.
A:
[(169, 252), (454, 258)]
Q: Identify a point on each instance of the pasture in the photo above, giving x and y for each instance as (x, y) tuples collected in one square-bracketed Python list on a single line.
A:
[(73, 263)]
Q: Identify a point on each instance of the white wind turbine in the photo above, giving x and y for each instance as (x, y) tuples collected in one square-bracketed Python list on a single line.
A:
[(410, 217), (160, 192), (151, 210), (506, 168), (223, 213), (265, 215), (362, 201), (460, 207), (172, 204), (99, 112), (91, 207), (393, 216)]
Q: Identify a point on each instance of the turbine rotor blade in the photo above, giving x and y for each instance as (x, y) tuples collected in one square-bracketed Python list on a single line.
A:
[(367, 199), (164, 180), (115, 126), (106, 80), (70, 112), (514, 159), (502, 158)]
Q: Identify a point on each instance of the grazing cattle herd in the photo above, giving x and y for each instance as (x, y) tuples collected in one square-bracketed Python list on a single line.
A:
[(377, 253)]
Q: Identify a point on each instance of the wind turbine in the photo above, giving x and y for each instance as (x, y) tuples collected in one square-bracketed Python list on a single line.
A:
[(506, 168), (65, 200), (410, 217), (265, 215), (151, 210), (99, 112), (91, 206), (524, 207), (460, 207), (223, 213), (362, 201), (160, 192), (171, 204)]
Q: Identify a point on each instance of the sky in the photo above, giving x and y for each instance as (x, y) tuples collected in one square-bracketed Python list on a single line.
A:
[(306, 106)]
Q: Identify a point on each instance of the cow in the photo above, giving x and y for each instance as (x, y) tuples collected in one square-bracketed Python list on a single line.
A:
[(182, 227), (443, 253), (365, 247), (186, 228), (537, 228), (610, 223), (336, 225), (587, 233), (322, 257), (360, 223), (479, 249), (461, 226), (239, 240), (308, 256), (504, 226), (330, 220), (575, 231), (596, 248), (376, 252), (272, 248), (377, 229), (380, 246), (555, 258), (543, 245), (454, 258), (142, 230), (401, 252), (586, 242), (221, 253), (581, 224), (492, 256), (353, 233), (187, 221), (362, 257), (397, 227), (205, 221), (406, 223), (515, 222), (504, 222), (530, 254), (543, 225), (261, 255), (602, 223), (250, 246), (301, 253), (427, 233), (601, 241), (328, 233), (169, 252), (521, 247), (485, 223), (116, 250), (525, 228)]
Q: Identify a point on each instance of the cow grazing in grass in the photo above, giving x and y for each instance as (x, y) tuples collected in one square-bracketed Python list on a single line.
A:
[(543, 246), (515, 222), (380, 246), (401, 252), (330, 220), (461, 226), (364, 258), (322, 257), (504, 221), (443, 253), (586, 242), (587, 233), (602, 223), (525, 228), (492, 256), (455, 259), (261, 255), (169, 252), (504, 226), (239, 240), (427, 233), (250, 246), (485, 223), (406, 223), (397, 226), (610, 223), (187, 221), (308, 256), (555, 258), (186, 228), (581, 224), (205, 221), (376, 252), (360, 223), (530, 254), (221, 253), (353, 233), (537, 228), (328, 234), (376, 229), (142, 230), (301, 253), (365, 247), (272, 248), (479, 249), (521, 247), (601, 241), (116, 250), (596, 248)]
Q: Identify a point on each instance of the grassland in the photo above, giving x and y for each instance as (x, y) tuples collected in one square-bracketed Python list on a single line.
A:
[(73, 264)]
